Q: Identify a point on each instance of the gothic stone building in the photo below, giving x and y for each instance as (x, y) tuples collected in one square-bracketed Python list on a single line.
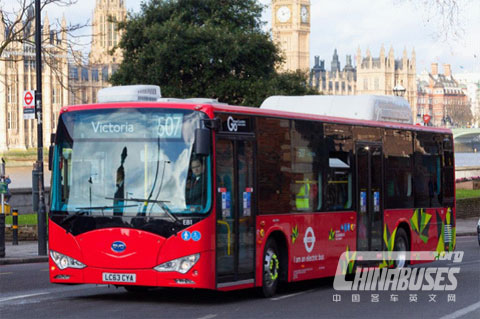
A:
[(18, 73), (370, 75), (65, 80)]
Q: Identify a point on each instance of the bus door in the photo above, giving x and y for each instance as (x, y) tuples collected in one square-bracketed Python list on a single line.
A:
[(369, 197), (235, 238)]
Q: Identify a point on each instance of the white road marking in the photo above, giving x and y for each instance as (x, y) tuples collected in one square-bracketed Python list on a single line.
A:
[(291, 295), (210, 316), (23, 296), (462, 312), (6, 273)]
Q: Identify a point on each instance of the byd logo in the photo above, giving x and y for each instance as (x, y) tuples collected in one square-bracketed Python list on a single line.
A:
[(233, 124), (118, 246)]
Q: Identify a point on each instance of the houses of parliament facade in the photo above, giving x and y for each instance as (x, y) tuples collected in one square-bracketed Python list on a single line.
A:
[(66, 78), (370, 75)]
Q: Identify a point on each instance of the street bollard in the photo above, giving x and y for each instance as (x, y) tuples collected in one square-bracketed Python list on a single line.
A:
[(15, 226)]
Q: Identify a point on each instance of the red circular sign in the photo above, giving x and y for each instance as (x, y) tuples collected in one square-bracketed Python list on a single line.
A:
[(28, 98), (426, 118)]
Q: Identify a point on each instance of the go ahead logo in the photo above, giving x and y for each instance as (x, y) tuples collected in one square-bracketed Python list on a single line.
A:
[(118, 246)]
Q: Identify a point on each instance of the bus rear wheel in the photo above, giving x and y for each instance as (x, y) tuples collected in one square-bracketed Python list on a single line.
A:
[(401, 247), (271, 268)]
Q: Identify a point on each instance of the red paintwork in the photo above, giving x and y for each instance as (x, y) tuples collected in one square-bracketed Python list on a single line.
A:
[(146, 250), (321, 224)]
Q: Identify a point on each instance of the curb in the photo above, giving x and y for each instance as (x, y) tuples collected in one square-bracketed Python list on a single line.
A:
[(24, 260)]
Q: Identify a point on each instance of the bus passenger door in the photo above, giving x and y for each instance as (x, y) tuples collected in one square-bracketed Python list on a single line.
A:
[(369, 197), (235, 249)]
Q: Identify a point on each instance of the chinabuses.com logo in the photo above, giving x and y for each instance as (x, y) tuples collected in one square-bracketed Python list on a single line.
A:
[(373, 271)]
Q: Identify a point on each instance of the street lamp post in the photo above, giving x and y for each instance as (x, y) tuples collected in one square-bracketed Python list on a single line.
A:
[(41, 214)]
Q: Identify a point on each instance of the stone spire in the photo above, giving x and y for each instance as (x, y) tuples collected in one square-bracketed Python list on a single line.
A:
[(335, 66)]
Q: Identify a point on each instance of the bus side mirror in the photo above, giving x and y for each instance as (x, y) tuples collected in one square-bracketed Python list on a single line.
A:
[(202, 141), (50, 151)]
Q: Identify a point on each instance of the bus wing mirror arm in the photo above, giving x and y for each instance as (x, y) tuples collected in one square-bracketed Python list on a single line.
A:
[(202, 141), (213, 124)]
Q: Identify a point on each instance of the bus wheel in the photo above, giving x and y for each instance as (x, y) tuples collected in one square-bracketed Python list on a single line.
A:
[(271, 268), (401, 246)]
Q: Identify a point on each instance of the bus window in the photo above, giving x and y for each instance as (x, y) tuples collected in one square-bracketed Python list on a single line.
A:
[(398, 169), (339, 182), (274, 165), (307, 146), (427, 171), (448, 172)]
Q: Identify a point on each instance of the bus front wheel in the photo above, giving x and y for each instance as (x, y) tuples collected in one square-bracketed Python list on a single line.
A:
[(271, 268)]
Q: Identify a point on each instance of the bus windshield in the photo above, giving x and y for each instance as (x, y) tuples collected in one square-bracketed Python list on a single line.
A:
[(129, 163)]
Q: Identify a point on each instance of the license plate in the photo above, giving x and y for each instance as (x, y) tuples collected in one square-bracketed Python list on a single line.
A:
[(112, 277)]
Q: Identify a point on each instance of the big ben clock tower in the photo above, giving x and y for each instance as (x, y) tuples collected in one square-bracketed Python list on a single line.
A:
[(291, 30)]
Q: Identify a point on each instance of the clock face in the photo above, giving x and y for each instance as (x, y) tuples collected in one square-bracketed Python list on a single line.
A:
[(304, 14), (283, 14)]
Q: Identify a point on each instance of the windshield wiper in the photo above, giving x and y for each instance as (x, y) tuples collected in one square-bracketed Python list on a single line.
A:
[(160, 203)]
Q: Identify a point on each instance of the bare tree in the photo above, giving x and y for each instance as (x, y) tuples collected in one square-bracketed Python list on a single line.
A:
[(446, 16), (59, 40)]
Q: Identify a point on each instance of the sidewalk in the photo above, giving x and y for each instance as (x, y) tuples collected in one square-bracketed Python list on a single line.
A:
[(27, 251)]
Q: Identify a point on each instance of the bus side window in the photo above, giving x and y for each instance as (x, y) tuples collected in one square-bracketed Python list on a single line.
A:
[(339, 182)]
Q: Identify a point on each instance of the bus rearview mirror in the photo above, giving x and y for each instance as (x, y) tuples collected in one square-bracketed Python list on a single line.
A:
[(202, 141)]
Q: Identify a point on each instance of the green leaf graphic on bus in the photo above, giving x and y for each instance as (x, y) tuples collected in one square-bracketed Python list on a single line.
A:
[(331, 234), (348, 263), (294, 234), (420, 222), (389, 244)]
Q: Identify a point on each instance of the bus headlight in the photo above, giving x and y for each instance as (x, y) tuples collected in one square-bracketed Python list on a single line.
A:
[(181, 265), (63, 261)]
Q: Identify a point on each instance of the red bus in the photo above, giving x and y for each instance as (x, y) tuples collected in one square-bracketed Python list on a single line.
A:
[(214, 196)]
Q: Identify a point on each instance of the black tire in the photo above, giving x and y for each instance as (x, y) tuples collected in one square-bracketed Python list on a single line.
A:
[(136, 289), (401, 245), (271, 268)]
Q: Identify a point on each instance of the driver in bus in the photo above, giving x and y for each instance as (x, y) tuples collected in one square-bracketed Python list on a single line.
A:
[(196, 183)]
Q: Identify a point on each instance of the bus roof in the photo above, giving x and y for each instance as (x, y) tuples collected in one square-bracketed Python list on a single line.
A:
[(211, 108), (361, 107)]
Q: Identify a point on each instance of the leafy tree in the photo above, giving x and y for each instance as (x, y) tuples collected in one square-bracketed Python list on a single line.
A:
[(207, 48)]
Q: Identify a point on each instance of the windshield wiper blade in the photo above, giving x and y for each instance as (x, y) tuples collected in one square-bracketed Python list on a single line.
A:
[(160, 203), (139, 200), (103, 207)]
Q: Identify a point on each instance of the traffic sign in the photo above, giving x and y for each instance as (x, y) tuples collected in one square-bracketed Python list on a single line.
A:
[(426, 118), (29, 104)]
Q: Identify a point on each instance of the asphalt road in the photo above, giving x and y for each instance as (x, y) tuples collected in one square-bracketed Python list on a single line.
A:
[(25, 292)]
